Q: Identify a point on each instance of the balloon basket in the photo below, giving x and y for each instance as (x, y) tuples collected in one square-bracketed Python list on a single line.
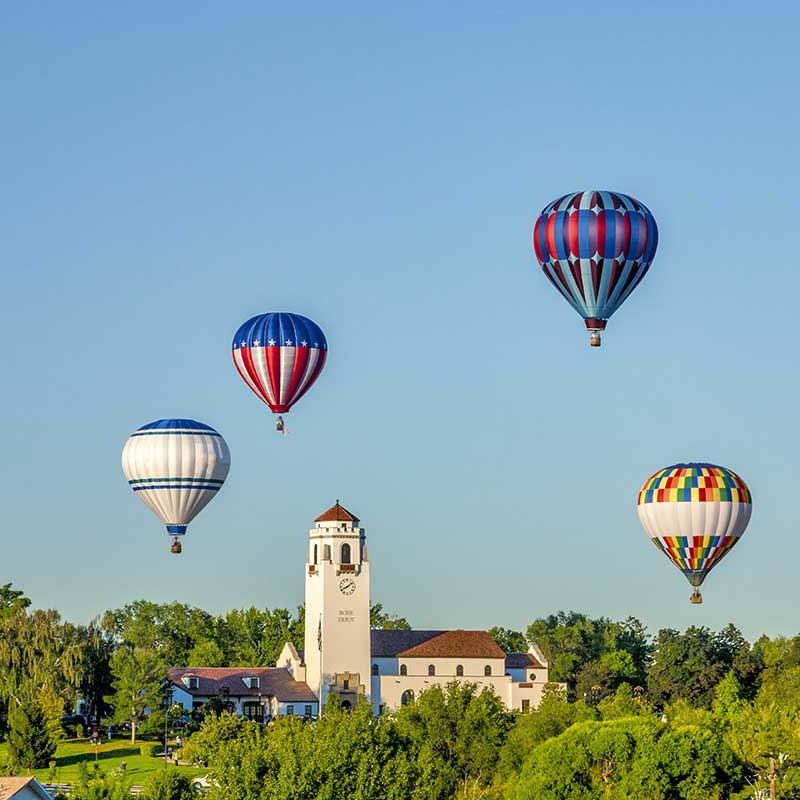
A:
[(594, 340), (696, 599), (176, 546)]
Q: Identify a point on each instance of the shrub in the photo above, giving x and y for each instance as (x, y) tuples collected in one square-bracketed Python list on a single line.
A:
[(149, 749), (168, 784), (29, 742)]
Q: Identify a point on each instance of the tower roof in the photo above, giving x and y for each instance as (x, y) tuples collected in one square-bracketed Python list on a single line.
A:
[(337, 513)]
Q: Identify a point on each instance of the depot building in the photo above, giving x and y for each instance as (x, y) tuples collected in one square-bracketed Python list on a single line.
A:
[(342, 656)]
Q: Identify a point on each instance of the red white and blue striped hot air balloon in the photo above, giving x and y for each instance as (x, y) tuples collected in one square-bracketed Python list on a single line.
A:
[(176, 467), (595, 247), (279, 356)]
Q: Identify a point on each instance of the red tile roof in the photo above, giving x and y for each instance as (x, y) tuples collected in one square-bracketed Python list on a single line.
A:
[(274, 681), (337, 513), (456, 644), (388, 644), (522, 661)]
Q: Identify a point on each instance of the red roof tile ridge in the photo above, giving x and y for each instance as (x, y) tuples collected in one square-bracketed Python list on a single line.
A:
[(337, 513)]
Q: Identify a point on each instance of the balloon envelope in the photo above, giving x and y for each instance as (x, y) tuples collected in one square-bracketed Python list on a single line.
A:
[(279, 356), (695, 514), (595, 247), (176, 467)]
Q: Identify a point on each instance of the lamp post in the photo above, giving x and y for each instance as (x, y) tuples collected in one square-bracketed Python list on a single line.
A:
[(167, 707)]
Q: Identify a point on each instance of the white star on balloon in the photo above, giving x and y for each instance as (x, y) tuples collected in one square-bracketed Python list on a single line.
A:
[(288, 342), (243, 343), (256, 342), (271, 343), (304, 344)]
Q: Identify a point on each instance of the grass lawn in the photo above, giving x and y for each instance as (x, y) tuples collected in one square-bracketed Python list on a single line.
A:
[(109, 756)]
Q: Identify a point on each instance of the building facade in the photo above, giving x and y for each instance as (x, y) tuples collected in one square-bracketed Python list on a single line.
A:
[(342, 656)]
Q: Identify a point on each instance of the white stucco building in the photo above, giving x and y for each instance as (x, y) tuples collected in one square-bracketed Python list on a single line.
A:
[(342, 656)]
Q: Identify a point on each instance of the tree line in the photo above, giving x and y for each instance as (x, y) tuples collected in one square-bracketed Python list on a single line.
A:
[(694, 714)]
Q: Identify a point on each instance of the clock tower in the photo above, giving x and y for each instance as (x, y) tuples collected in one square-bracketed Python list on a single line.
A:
[(337, 636)]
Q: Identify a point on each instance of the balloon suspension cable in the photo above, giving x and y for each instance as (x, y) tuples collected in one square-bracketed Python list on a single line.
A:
[(280, 426), (176, 546), (594, 339), (696, 598)]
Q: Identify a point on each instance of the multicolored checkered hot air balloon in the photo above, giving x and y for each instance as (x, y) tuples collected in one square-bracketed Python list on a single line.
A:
[(695, 514), (279, 356), (595, 247), (176, 467)]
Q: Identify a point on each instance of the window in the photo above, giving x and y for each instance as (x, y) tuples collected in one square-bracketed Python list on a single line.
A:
[(460, 671), (403, 670), (487, 670), (307, 711), (532, 676), (252, 710), (431, 669), (252, 683), (526, 705), (345, 683), (345, 553), (290, 709), (407, 697), (315, 554), (326, 552), (375, 669), (192, 682), (346, 705)]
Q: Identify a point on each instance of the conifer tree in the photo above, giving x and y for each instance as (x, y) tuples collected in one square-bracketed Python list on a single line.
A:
[(29, 741)]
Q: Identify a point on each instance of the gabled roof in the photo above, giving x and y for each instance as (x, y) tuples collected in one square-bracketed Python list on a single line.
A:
[(389, 644), (9, 787), (337, 513), (274, 681), (522, 661), (457, 644), (434, 644)]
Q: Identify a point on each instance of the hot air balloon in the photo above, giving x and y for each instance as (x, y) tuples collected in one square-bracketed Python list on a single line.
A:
[(695, 514), (279, 356), (176, 467), (595, 247)]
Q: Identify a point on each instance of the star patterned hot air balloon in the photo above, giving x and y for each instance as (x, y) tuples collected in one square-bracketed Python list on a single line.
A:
[(595, 247), (695, 514), (176, 467), (279, 356)]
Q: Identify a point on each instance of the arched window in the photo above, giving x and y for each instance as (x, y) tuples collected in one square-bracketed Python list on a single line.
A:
[(326, 552), (315, 554), (403, 670), (487, 670), (374, 669), (407, 697), (345, 553), (346, 706), (460, 671), (431, 669), (533, 676)]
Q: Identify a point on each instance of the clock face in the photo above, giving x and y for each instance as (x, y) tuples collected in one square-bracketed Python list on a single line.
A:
[(347, 586)]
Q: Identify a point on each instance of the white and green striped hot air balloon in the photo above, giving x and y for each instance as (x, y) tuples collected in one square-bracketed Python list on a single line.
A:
[(176, 466)]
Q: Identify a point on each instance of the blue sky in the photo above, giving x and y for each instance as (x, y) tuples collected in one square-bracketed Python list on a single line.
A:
[(170, 172)]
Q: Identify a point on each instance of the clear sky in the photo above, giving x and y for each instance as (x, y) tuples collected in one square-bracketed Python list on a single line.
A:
[(171, 170)]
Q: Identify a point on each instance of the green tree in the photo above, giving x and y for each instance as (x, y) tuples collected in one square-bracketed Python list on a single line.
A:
[(551, 718), (139, 681), (689, 665), (30, 744), (169, 629), (206, 653), (255, 637), (576, 645), (168, 784), (42, 661), (12, 601), (632, 759), (509, 641), (383, 620), (96, 786), (456, 734)]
